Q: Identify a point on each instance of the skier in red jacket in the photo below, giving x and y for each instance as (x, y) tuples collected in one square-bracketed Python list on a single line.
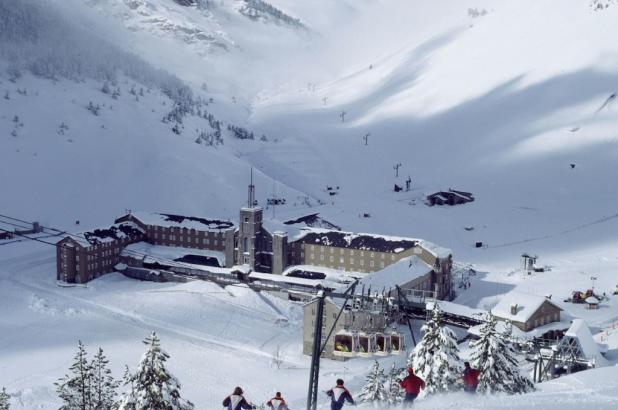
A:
[(470, 378), (277, 403), (412, 385)]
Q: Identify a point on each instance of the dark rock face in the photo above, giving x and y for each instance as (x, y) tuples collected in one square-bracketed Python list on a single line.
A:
[(185, 3)]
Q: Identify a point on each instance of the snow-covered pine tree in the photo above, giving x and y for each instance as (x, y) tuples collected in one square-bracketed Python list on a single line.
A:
[(75, 391), (436, 358), (522, 383), (374, 391), (5, 403), (153, 386), (395, 393), (103, 384), (496, 360)]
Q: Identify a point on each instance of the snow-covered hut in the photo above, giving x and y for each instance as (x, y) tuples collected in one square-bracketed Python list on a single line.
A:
[(527, 311), (592, 302)]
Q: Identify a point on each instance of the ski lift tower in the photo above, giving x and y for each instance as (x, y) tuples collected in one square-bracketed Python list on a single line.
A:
[(528, 262), (319, 342)]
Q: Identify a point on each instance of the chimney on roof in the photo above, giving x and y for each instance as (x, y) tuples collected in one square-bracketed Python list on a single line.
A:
[(514, 309)]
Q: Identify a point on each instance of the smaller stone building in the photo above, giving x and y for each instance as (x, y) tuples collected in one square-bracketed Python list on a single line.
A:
[(450, 197), (364, 321), (86, 256), (527, 311)]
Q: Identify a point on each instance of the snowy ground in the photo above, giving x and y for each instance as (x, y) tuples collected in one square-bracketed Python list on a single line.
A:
[(218, 338)]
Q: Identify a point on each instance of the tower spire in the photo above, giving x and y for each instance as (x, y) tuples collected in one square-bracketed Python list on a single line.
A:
[(251, 199)]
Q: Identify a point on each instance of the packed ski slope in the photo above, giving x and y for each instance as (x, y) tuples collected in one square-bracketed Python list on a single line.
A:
[(498, 98)]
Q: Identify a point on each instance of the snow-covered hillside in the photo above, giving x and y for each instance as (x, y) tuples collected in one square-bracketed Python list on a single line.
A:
[(108, 105)]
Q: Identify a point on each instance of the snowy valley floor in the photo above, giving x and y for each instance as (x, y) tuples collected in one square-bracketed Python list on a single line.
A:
[(217, 339)]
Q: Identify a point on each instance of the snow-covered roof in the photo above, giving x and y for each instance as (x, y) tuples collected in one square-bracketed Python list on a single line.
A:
[(457, 309), (286, 279), (360, 241), (180, 221), (501, 326), (592, 300), (312, 220), (366, 241), (397, 274), (313, 272), (527, 305), (581, 332), (435, 250), (154, 253), (274, 225), (106, 235)]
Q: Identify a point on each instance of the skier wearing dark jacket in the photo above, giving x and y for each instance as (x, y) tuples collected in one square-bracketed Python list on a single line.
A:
[(412, 385), (277, 403), (236, 401), (470, 378), (339, 395)]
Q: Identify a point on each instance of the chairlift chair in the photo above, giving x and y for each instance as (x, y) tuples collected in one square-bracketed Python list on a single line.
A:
[(346, 344), (383, 344)]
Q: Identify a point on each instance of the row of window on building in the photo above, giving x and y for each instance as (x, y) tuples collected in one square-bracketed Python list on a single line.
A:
[(342, 251), (341, 261), (195, 240), (543, 320)]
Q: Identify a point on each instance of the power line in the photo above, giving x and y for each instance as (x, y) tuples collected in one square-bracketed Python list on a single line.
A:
[(16, 225), (28, 237)]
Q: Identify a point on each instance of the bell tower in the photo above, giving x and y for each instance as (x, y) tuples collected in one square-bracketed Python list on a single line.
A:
[(249, 229)]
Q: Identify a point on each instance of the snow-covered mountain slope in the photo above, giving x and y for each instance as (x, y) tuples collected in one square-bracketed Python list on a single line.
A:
[(456, 92), (498, 100), (98, 131)]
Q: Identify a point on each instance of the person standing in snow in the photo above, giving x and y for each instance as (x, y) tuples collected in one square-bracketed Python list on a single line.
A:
[(236, 401), (470, 378), (277, 403), (412, 385), (339, 395)]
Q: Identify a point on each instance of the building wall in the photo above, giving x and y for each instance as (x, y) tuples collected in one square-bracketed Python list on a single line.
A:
[(279, 252), (220, 241), (425, 282), (65, 261), (249, 228), (547, 313), (344, 258), (188, 238)]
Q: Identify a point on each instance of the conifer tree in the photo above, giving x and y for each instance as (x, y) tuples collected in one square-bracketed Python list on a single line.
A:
[(374, 391), (103, 384), (153, 386), (5, 403), (75, 391), (435, 359), (496, 360), (127, 381), (395, 393)]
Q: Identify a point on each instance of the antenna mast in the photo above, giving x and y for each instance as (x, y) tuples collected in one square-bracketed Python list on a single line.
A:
[(251, 200)]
